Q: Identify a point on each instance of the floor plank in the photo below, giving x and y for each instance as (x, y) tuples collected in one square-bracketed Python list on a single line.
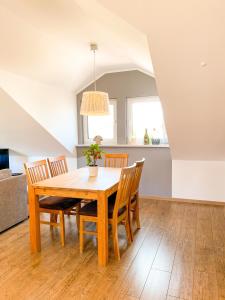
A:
[(205, 286), (221, 285), (156, 286), (181, 283), (218, 225), (204, 246), (166, 253)]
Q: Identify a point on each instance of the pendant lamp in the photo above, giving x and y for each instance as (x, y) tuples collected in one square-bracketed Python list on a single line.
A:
[(94, 103)]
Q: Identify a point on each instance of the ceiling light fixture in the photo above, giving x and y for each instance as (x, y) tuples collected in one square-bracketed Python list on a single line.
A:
[(94, 103)]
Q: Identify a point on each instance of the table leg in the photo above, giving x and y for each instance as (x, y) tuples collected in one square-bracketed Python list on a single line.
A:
[(35, 240), (102, 229)]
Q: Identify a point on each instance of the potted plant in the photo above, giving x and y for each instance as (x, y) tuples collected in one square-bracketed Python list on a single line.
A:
[(92, 154)]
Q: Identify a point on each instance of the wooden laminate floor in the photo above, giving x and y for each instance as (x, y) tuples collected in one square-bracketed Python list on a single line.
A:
[(178, 254)]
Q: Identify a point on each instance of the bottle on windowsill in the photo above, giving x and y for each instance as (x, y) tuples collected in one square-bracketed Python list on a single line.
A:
[(147, 139)]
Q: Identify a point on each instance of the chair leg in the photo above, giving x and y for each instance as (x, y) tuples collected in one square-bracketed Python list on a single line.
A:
[(78, 207), (81, 234), (128, 229), (115, 240), (62, 227), (52, 220), (137, 214), (130, 224), (56, 218)]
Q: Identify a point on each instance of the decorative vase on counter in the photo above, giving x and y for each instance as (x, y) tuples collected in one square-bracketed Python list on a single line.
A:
[(98, 139), (93, 171), (155, 138)]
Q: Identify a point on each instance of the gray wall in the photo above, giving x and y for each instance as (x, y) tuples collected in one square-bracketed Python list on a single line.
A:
[(157, 174), (120, 86)]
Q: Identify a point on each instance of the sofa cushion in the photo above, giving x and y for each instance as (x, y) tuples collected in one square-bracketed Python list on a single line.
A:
[(5, 173)]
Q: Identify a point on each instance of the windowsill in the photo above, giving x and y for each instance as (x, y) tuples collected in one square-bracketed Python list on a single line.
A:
[(126, 146)]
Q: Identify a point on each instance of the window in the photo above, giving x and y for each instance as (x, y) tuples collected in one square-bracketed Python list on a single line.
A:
[(105, 126), (145, 113)]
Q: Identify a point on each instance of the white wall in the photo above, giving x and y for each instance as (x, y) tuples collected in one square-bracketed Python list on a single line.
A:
[(200, 180), (52, 107), (17, 160)]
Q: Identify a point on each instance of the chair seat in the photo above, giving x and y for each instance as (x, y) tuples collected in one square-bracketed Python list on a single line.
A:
[(112, 198), (90, 209), (58, 203)]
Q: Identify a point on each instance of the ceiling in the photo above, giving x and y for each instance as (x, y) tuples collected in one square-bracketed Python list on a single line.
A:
[(187, 45), (49, 41)]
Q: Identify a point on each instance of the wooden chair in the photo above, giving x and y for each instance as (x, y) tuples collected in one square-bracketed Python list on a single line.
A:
[(38, 171), (134, 199), (58, 166), (116, 160), (117, 211)]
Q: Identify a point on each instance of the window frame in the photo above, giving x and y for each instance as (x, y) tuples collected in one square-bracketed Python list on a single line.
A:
[(105, 141), (130, 119)]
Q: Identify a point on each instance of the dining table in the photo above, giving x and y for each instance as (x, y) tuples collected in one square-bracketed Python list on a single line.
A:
[(76, 184)]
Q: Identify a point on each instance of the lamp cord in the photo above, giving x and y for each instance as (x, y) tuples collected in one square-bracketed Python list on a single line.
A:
[(94, 71)]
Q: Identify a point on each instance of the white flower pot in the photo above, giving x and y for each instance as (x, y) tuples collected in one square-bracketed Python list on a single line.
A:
[(93, 171)]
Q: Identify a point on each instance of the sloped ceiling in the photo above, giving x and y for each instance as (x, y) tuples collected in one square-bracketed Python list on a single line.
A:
[(187, 45), (20, 132), (49, 41), (49, 105)]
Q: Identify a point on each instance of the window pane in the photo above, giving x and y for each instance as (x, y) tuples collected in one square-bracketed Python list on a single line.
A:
[(147, 114), (102, 125)]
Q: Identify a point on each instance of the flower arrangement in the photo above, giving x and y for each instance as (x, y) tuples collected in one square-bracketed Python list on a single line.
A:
[(92, 154)]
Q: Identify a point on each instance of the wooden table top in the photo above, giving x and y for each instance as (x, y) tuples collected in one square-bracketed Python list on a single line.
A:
[(80, 180)]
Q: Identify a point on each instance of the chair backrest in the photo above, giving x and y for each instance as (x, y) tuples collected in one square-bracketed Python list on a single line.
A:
[(57, 165), (137, 177), (116, 160), (124, 188), (36, 171)]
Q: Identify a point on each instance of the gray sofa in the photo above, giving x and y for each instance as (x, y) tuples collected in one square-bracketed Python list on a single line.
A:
[(13, 199)]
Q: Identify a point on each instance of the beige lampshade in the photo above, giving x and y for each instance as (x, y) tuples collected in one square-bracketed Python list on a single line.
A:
[(94, 103)]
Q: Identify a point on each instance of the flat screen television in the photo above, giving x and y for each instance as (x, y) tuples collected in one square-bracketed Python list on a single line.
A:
[(4, 159)]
